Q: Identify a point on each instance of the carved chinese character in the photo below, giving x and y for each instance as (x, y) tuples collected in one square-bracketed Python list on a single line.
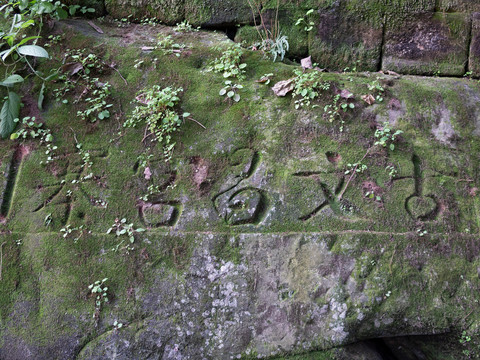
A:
[(62, 194), (239, 201)]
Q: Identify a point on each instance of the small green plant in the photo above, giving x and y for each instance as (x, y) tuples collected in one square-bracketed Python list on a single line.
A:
[(76, 73), (31, 129), (274, 47), (465, 338), (471, 345), (117, 325), (53, 40), (185, 27), (386, 136), (421, 232), (124, 230), (84, 61), (371, 195), (352, 70), (144, 159), (72, 9), (157, 108), (138, 63), (97, 104), (48, 220), (272, 42), (265, 79), (86, 158), (392, 172), (376, 87), (76, 233), (230, 63), (340, 104), (123, 22), (149, 21), (17, 50), (231, 91), (306, 21), (151, 190), (357, 168), (168, 46), (307, 87), (99, 290)]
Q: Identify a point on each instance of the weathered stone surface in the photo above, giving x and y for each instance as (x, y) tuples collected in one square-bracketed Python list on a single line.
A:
[(262, 238), (474, 60), (167, 11), (343, 39), (197, 12), (415, 37), (459, 5), (428, 44), (217, 13)]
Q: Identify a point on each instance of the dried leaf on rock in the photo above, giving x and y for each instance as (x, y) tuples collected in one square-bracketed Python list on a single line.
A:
[(345, 94), (369, 99), (147, 173), (72, 68), (283, 87), (307, 63)]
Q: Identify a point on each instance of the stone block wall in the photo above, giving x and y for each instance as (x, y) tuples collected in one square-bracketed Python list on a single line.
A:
[(418, 37)]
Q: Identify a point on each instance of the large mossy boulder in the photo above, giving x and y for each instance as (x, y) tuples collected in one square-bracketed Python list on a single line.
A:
[(272, 231)]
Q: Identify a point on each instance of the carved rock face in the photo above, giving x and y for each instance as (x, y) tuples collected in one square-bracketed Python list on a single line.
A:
[(270, 232)]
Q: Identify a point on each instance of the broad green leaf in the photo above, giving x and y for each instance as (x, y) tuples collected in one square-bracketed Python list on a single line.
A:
[(12, 79), (23, 4), (33, 50), (236, 98), (27, 24), (4, 54), (62, 14), (72, 9), (41, 96), (10, 111), (27, 39), (222, 92)]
